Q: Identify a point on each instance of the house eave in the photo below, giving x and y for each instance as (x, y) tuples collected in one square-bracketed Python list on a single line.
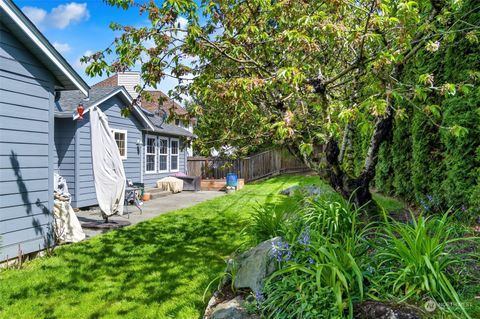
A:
[(54, 61), (129, 100), (159, 132)]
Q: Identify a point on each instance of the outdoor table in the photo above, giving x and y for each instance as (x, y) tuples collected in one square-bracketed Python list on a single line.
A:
[(131, 195)]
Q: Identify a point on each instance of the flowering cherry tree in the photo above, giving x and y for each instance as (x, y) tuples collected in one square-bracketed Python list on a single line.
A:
[(307, 75)]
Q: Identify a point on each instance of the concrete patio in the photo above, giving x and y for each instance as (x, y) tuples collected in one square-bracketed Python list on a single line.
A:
[(150, 209)]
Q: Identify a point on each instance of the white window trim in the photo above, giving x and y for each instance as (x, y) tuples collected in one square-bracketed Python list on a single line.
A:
[(114, 130), (178, 154), (146, 145), (168, 154)]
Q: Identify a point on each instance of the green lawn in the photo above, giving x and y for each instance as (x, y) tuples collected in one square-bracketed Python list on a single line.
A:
[(156, 269)]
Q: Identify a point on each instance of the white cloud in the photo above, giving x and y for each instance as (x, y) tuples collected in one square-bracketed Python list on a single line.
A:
[(62, 47), (65, 14), (36, 15), (78, 64), (59, 17)]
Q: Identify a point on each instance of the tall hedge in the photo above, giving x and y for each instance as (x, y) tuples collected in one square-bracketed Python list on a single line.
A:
[(384, 170), (401, 153), (433, 164)]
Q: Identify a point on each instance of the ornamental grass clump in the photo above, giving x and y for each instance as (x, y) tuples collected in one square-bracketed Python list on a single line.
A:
[(416, 257), (331, 218), (267, 222), (320, 263), (319, 275)]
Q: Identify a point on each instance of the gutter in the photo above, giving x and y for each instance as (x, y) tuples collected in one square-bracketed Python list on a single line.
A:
[(63, 115), (43, 44)]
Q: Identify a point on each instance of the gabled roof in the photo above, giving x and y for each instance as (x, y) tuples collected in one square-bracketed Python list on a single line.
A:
[(164, 128), (108, 82), (168, 105), (67, 101), (40, 47)]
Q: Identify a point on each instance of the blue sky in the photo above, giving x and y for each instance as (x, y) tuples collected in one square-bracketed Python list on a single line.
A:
[(77, 28)]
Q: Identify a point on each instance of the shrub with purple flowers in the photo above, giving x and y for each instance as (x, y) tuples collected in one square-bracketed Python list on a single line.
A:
[(281, 251), (424, 205), (259, 296), (320, 273), (305, 238), (327, 260)]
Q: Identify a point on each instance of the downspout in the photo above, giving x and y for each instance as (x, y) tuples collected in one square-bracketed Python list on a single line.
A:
[(141, 146)]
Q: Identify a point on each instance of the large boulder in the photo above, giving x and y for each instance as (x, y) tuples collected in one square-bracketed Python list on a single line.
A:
[(254, 265), (231, 309)]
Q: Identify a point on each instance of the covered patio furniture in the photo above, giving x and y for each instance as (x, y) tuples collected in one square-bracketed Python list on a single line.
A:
[(108, 172), (170, 183), (190, 183)]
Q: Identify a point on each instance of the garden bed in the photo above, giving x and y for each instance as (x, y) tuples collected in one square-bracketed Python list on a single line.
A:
[(218, 184)]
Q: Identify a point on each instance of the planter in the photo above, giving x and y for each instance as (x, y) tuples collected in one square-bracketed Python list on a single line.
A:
[(218, 184)]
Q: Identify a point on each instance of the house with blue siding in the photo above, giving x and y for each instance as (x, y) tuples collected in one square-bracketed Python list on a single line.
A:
[(166, 146), (41, 133), (165, 149), (31, 73), (73, 156), (149, 148)]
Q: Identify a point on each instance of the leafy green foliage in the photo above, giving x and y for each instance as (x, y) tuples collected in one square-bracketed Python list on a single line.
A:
[(332, 266), (435, 153), (414, 259), (294, 297), (329, 218), (267, 222), (330, 260), (384, 174), (320, 275), (295, 73)]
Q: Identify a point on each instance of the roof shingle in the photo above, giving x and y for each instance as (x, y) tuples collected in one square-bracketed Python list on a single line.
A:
[(167, 104), (67, 101)]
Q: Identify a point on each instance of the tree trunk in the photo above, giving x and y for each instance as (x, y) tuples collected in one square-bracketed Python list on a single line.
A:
[(354, 189)]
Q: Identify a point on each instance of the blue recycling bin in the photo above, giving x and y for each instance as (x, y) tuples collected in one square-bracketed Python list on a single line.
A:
[(232, 179)]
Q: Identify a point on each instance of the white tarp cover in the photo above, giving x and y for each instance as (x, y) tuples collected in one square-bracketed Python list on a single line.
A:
[(67, 226), (108, 170), (170, 183)]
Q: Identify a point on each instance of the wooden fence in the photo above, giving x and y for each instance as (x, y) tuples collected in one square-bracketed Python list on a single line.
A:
[(258, 166)]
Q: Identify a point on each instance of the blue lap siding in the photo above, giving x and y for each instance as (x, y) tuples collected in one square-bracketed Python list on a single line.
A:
[(74, 152), (64, 151), (26, 149)]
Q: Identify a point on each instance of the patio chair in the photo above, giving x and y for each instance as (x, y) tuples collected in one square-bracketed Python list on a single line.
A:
[(132, 196)]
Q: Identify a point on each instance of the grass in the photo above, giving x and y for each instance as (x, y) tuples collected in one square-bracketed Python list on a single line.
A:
[(388, 203), (155, 269)]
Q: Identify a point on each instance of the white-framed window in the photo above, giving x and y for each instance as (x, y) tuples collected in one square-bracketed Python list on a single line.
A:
[(121, 140), (150, 154), (174, 152), (162, 154)]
